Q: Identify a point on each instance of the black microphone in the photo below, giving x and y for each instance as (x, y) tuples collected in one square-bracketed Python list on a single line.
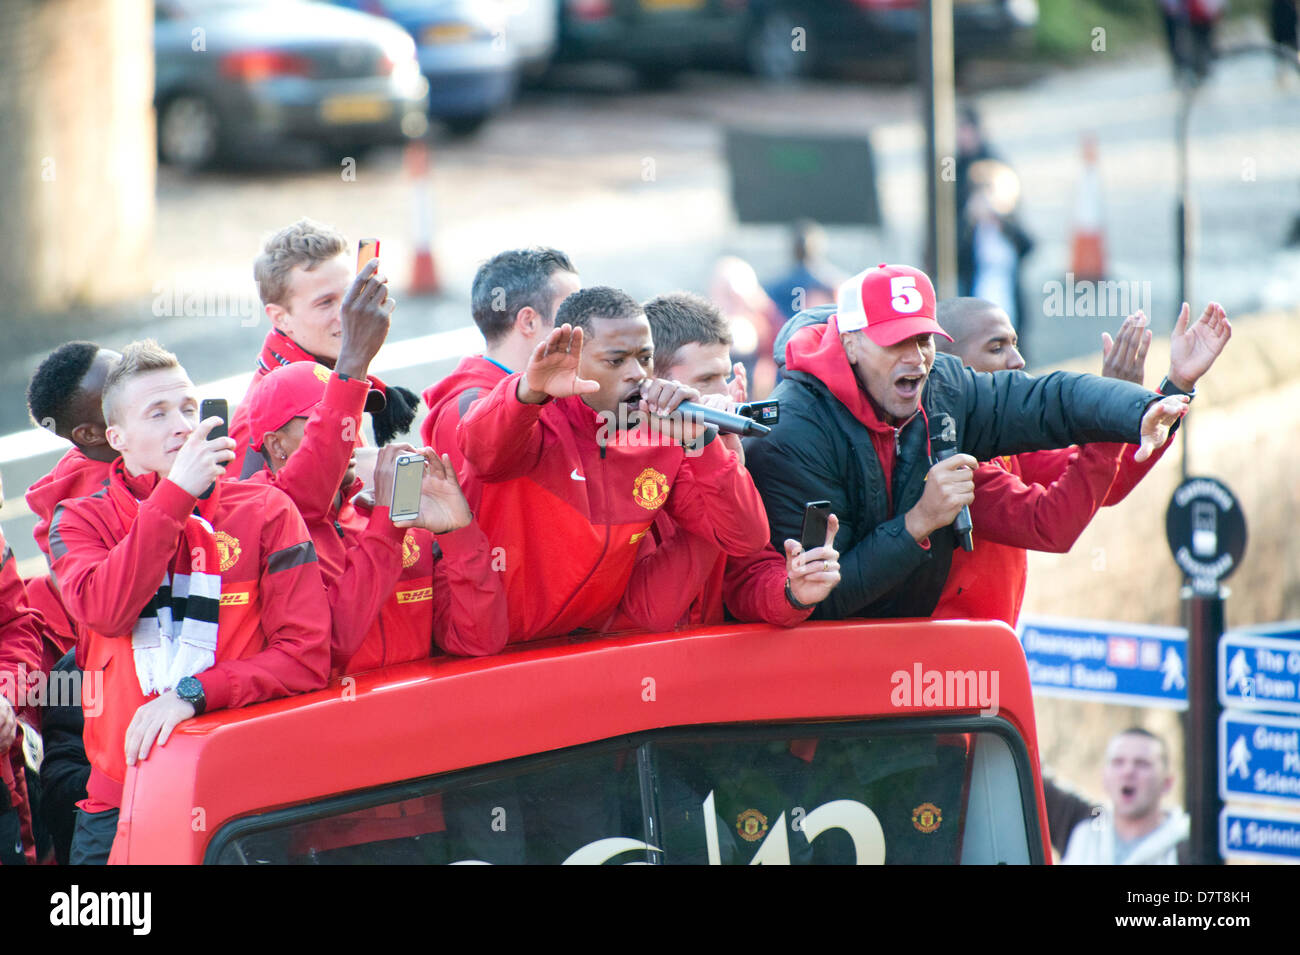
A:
[(961, 525), (724, 421)]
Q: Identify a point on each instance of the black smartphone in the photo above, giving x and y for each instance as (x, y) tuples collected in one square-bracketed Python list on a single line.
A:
[(815, 515), (215, 406)]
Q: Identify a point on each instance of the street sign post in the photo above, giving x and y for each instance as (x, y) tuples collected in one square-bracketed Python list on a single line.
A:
[(1258, 834), (1259, 672), (1125, 663), (1259, 757)]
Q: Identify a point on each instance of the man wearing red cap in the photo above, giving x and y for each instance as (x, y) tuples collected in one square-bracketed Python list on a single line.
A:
[(393, 590), (867, 411)]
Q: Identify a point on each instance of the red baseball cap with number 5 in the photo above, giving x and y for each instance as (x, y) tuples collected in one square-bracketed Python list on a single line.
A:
[(890, 302)]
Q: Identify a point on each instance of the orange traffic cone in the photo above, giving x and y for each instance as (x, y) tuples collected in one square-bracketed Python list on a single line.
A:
[(424, 274), (1088, 241)]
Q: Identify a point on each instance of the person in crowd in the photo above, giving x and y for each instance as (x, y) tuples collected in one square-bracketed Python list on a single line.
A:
[(304, 274), (514, 299), (394, 589), (1134, 829), (64, 766), (692, 345), (64, 397), (193, 593), (811, 280), (753, 317), (869, 414), (21, 630), (569, 462), (1043, 500)]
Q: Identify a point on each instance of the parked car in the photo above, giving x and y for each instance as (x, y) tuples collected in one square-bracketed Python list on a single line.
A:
[(464, 51), (776, 39), (237, 77), (882, 742)]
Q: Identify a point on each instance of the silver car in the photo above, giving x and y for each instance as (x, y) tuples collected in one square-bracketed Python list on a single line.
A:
[(235, 78)]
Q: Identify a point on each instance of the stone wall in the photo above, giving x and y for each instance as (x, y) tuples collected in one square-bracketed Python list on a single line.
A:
[(77, 194)]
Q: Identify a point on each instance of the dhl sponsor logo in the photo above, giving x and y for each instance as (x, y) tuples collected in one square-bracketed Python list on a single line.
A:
[(414, 596), (233, 600)]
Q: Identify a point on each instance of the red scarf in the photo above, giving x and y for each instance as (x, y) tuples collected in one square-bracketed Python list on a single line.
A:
[(279, 349)]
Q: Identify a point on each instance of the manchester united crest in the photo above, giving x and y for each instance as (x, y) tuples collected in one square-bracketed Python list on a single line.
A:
[(227, 550), (410, 551), (650, 489), (927, 817), (322, 373), (751, 825)]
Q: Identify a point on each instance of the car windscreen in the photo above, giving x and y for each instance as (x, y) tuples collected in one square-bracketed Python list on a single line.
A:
[(903, 792)]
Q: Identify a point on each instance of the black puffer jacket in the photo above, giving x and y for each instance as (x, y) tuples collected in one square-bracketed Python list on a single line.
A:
[(820, 451)]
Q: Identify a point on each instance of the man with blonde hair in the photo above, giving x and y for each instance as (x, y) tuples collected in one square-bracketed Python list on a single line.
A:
[(194, 593), (305, 279)]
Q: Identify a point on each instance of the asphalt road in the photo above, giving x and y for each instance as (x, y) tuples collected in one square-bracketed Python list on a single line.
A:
[(634, 187)]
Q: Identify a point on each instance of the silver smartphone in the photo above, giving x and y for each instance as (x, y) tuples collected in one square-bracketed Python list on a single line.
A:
[(408, 475)]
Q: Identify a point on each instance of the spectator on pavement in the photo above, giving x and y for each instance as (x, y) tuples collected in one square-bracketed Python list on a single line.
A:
[(811, 279), (1133, 829)]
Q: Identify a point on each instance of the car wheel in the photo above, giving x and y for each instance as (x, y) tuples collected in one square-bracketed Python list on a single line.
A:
[(466, 125), (770, 48), (189, 132)]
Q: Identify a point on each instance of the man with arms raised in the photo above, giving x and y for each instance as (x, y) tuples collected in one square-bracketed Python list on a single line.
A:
[(514, 299), (867, 412), (1043, 500), (194, 593), (566, 471)]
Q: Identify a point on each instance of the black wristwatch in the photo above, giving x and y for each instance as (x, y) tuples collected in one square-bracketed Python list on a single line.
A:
[(191, 691), (1168, 389)]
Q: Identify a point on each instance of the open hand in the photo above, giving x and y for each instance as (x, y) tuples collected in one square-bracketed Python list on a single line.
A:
[(1193, 350), (1125, 356), (1157, 421), (553, 368)]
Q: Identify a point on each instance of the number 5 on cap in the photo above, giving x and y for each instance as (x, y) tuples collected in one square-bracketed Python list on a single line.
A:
[(907, 297)]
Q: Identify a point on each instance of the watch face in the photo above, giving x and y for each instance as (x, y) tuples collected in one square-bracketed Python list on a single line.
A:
[(189, 688)]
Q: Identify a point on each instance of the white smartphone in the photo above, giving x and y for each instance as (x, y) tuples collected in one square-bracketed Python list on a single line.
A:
[(408, 476)]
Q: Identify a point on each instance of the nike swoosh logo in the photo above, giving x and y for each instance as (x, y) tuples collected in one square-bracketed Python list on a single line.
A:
[(576, 476)]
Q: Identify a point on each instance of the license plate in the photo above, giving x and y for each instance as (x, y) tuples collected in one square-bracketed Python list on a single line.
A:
[(671, 4), (355, 109), (446, 33)]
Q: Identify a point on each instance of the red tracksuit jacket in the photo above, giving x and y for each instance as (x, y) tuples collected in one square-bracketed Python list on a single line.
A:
[(74, 476), (707, 583), (569, 513), (20, 634), (273, 628), (391, 598), (449, 400), (1040, 500)]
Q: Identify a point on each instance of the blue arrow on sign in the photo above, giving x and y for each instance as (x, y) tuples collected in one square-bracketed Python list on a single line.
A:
[(1259, 757), (1127, 663), (1255, 834), (1259, 672)]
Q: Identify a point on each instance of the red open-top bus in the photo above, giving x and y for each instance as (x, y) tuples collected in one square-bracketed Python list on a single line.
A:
[(907, 741)]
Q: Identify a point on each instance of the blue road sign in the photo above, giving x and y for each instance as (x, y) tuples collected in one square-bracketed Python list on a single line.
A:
[(1256, 834), (1283, 630), (1259, 672), (1259, 757), (1127, 663)]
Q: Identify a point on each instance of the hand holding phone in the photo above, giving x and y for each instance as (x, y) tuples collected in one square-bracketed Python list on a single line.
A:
[(367, 249), (815, 515)]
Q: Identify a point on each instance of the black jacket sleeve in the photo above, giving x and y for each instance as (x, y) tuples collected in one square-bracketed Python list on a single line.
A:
[(808, 459), (1008, 412), (65, 768)]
